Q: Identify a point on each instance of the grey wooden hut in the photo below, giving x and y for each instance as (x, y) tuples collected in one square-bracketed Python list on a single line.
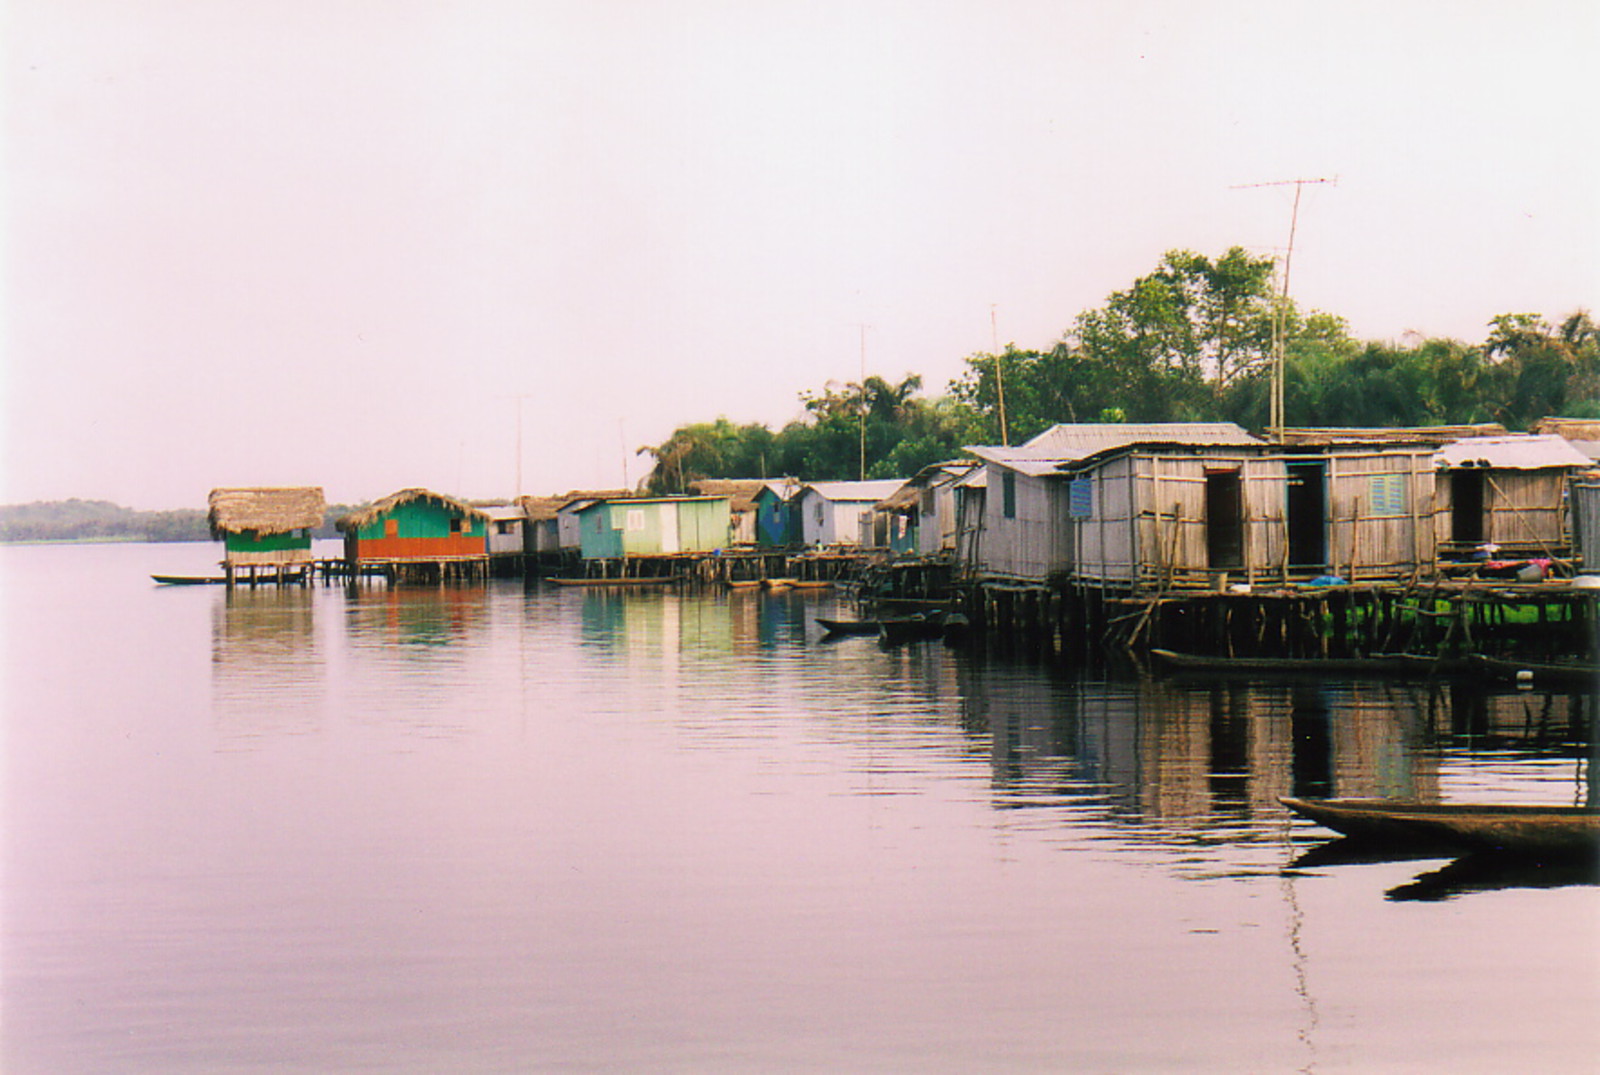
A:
[(1585, 508), (265, 527), (1359, 503), (1132, 506), (1506, 492)]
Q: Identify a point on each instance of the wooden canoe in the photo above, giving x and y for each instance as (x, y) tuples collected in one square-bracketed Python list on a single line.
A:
[(643, 580), (1395, 664), (189, 580), (849, 627), (1543, 830), (894, 631), (1543, 673)]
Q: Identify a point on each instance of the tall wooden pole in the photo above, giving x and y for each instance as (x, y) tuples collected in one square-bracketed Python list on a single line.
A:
[(1280, 316)]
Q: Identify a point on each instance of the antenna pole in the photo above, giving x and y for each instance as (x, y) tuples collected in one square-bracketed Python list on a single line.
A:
[(999, 376), (1280, 315), (863, 328)]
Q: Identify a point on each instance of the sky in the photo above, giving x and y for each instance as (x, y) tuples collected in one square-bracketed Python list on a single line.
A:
[(496, 247)]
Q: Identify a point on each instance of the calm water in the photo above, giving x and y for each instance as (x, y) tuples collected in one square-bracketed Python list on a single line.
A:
[(548, 830)]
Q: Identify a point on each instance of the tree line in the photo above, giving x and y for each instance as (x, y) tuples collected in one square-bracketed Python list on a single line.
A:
[(101, 520), (1193, 340)]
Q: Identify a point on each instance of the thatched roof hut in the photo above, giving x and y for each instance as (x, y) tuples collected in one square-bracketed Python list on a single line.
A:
[(265, 510), (367, 515)]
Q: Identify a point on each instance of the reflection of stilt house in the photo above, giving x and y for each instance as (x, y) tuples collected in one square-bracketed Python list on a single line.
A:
[(1508, 492), (266, 531), (418, 534)]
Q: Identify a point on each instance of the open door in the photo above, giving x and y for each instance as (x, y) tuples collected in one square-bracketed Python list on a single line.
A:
[(1306, 513), (1466, 506), (1224, 519)]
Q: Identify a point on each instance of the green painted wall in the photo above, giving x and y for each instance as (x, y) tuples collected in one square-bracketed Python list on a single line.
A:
[(422, 519), (248, 541)]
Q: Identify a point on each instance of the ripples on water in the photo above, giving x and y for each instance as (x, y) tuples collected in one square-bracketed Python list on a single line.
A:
[(498, 829)]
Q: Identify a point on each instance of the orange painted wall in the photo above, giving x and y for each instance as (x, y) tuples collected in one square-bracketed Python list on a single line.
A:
[(398, 548)]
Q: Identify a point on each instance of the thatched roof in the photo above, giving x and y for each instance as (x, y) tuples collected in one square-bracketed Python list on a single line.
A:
[(545, 508), (265, 510), (359, 519), (1435, 435), (741, 492)]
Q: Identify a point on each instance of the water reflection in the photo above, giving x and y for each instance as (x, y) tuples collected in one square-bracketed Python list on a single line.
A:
[(269, 670)]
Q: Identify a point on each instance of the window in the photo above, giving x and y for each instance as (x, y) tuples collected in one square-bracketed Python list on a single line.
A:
[(455, 525), (1008, 494), (636, 519), (1080, 498), (928, 501), (1386, 494)]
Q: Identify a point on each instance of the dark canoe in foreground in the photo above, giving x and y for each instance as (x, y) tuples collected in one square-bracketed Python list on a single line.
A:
[(1542, 830), (1387, 664), (849, 627), (189, 580), (643, 580), (1582, 676)]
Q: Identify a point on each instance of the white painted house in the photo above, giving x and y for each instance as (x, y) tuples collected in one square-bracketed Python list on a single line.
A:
[(830, 512)]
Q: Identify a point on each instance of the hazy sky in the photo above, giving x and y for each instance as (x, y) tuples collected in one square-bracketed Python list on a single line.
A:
[(341, 242)]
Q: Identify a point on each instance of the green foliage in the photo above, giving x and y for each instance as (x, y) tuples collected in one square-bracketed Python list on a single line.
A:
[(1190, 341), (899, 431)]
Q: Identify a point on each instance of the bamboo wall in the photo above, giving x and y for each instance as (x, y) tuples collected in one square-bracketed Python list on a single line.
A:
[(1523, 509), (1371, 539)]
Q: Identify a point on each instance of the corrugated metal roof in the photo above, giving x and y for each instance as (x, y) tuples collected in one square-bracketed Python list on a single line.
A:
[(871, 492), (502, 513), (1516, 452), (1064, 444)]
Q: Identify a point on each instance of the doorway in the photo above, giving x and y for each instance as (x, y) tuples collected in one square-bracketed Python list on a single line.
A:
[(1466, 506), (1306, 514), (1224, 519)]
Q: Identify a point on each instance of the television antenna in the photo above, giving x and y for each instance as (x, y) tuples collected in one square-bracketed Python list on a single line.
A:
[(1280, 313)]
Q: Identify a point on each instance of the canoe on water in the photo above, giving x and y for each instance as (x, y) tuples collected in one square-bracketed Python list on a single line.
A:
[(642, 580), (848, 626), (189, 580), (1396, 664), (1545, 830)]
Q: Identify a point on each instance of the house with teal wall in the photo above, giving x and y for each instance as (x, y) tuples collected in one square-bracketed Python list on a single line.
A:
[(416, 525), (777, 525), (653, 526)]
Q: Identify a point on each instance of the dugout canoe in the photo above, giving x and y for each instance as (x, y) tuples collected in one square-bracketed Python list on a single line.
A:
[(1539, 830)]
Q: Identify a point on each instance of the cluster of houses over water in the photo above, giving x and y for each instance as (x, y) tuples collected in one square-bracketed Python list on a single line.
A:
[(1125, 507)]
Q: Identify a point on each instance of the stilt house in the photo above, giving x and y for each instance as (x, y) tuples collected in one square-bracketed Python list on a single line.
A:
[(653, 526), (741, 494), (920, 516), (1359, 503), (1508, 492), (777, 525), (265, 526), (416, 526), (830, 512), (1586, 525), (1124, 505)]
